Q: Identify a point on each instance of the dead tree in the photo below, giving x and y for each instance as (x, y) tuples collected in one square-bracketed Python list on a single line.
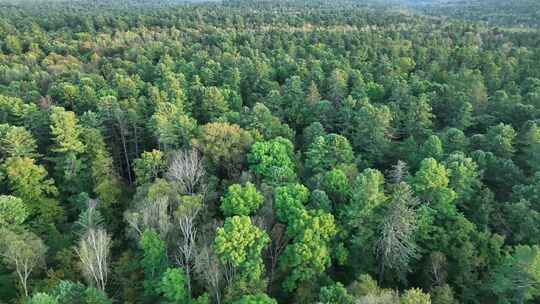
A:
[(187, 170), (93, 252)]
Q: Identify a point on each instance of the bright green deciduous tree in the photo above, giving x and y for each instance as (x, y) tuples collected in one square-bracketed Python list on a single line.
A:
[(13, 212), (273, 160), (289, 202), (240, 243), (66, 131), (308, 255), (241, 200)]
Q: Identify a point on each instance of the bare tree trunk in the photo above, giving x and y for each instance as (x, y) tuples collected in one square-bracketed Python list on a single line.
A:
[(126, 156), (207, 266), (279, 241), (94, 254), (187, 170), (186, 215)]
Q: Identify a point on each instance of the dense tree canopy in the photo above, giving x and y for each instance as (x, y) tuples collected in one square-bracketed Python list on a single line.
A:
[(274, 151)]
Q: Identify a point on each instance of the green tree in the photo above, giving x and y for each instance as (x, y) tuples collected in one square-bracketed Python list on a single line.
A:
[(293, 97), (23, 252), (107, 184), (500, 140), (213, 105), (13, 212), (372, 131), (431, 184), (66, 131), (241, 200), (154, 261), (240, 243), (16, 142), (173, 286), (149, 166), (308, 255), (260, 298), (42, 298), (415, 296), (289, 202), (325, 153), (68, 147), (13, 45), (335, 294), (270, 126), (517, 279), (273, 160), (172, 127), (336, 184), (28, 181), (431, 148), (337, 85), (454, 140), (224, 147), (443, 295)]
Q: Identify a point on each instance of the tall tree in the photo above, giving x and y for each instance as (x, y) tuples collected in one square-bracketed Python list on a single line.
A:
[(22, 251)]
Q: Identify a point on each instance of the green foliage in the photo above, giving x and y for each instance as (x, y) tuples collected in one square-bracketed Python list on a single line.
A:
[(29, 182), (42, 298), (241, 200), (149, 166), (255, 299), (67, 292), (335, 294), (372, 131), (309, 254), (415, 296), (289, 201), (171, 126), (154, 261), (23, 252), (213, 105), (325, 153), (173, 286), (16, 142), (336, 184), (262, 120), (516, 279), (368, 194), (273, 160), (500, 140), (224, 146), (431, 183), (13, 212), (66, 131), (98, 102), (442, 295), (240, 243)]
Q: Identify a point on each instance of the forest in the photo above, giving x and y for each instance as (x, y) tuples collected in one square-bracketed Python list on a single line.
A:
[(274, 151)]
